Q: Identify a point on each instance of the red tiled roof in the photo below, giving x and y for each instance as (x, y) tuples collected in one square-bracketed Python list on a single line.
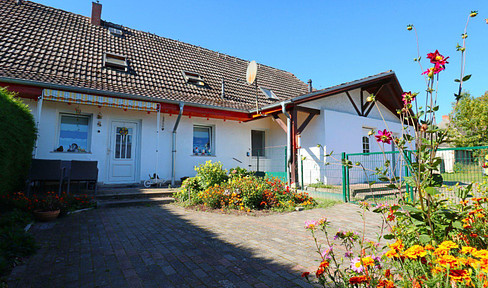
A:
[(49, 45)]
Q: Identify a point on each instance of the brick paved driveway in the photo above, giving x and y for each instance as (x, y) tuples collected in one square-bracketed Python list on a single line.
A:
[(168, 246)]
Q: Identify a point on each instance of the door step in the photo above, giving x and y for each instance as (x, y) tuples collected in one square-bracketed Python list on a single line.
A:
[(134, 202), (135, 194)]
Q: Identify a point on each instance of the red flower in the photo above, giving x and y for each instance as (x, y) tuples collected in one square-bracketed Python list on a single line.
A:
[(358, 279), (408, 97), (437, 59), (305, 274), (384, 136), (319, 272)]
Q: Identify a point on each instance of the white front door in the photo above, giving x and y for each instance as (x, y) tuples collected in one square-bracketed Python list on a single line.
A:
[(123, 156)]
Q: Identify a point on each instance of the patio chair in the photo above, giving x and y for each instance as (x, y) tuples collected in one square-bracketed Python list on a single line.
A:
[(83, 171), (42, 170)]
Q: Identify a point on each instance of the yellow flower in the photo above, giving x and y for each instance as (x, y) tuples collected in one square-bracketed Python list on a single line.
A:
[(367, 261), (392, 254), (468, 250), (448, 245), (414, 252), (398, 245), (447, 260)]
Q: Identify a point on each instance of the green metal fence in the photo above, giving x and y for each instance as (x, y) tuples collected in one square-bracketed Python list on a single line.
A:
[(459, 166), (270, 161)]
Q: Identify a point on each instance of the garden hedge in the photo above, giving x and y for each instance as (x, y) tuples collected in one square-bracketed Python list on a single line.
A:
[(17, 138)]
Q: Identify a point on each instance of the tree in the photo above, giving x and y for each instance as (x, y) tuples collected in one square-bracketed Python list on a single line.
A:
[(470, 121)]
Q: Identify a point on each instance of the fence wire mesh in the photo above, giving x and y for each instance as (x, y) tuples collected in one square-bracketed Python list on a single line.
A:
[(459, 167), (322, 176), (269, 161)]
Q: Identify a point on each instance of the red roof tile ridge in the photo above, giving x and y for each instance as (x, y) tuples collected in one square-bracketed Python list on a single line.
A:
[(178, 42)]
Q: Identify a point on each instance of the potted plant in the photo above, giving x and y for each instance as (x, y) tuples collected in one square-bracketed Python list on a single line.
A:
[(47, 208)]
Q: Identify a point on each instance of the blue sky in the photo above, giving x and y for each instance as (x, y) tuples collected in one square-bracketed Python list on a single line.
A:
[(330, 42)]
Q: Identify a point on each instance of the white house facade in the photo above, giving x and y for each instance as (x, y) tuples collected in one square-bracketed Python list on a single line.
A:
[(140, 104)]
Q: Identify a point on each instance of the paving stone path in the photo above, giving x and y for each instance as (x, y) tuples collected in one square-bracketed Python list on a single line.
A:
[(168, 246)]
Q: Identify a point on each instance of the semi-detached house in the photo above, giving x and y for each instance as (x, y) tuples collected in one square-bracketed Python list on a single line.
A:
[(140, 104)]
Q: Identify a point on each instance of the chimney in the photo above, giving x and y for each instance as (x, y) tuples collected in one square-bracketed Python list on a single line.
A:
[(310, 89), (96, 13)]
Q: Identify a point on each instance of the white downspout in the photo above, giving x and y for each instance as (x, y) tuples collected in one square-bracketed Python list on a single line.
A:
[(288, 139), (38, 123), (173, 150), (158, 127)]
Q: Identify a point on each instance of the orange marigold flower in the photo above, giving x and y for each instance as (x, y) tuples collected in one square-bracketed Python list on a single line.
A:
[(447, 260), (387, 273), (459, 275), (468, 250), (358, 279), (414, 252), (449, 245), (392, 254), (481, 254), (324, 264), (437, 270), (305, 274), (367, 261), (386, 284), (398, 245), (319, 272), (429, 247)]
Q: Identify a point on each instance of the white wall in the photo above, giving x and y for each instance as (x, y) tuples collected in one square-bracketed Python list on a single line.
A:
[(339, 129), (232, 139)]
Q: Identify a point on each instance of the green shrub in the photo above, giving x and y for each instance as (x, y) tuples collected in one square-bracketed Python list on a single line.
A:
[(253, 192), (15, 217), (211, 174), (189, 188), (14, 243), (17, 138), (239, 172)]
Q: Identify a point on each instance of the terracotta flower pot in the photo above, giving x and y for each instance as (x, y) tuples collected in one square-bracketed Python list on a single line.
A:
[(45, 216)]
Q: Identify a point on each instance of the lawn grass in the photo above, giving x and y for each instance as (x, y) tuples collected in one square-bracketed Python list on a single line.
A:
[(464, 177), (325, 202), (321, 185)]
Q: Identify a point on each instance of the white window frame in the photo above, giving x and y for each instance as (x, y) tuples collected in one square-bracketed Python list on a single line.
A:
[(89, 137), (193, 78), (273, 95), (264, 144), (113, 64), (368, 143), (212, 139)]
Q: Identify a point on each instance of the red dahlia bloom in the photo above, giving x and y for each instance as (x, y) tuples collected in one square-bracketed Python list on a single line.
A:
[(408, 97), (384, 136)]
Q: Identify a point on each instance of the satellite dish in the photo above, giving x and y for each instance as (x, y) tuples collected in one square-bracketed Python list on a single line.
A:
[(252, 70)]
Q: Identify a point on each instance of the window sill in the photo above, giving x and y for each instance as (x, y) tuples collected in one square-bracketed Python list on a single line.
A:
[(202, 155), (65, 152)]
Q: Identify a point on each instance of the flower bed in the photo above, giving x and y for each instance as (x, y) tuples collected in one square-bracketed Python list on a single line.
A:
[(214, 188), (16, 212), (459, 258)]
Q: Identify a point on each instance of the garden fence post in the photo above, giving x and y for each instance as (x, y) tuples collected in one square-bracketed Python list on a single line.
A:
[(344, 185), (301, 170), (407, 173)]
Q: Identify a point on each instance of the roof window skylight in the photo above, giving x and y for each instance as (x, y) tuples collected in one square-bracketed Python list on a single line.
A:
[(115, 31), (115, 61), (193, 78), (269, 93)]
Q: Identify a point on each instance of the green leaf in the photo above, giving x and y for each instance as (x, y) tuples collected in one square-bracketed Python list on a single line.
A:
[(457, 80), (457, 225), (388, 236), (467, 77), (431, 191), (424, 239)]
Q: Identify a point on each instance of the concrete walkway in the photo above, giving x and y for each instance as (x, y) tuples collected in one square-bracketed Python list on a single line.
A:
[(168, 246)]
